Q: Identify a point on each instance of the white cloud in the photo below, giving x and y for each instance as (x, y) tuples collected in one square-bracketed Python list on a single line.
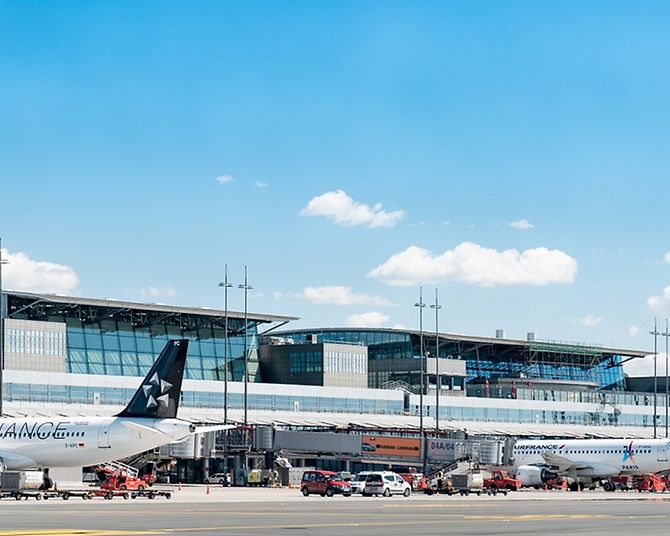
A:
[(522, 225), (339, 295), (261, 184), (24, 273), (633, 331), (153, 292), (223, 179), (644, 366), (373, 319), (590, 321), (277, 294), (476, 265), (338, 207), (666, 257), (660, 304)]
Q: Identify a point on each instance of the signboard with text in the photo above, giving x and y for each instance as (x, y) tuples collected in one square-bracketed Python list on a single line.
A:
[(373, 445)]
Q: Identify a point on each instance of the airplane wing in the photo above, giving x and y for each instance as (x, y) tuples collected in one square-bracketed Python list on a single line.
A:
[(561, 463)]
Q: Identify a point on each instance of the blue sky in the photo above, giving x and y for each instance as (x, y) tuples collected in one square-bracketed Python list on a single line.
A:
[(146, 144)]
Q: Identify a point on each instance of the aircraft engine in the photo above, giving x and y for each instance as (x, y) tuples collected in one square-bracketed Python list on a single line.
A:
[(530, 475)]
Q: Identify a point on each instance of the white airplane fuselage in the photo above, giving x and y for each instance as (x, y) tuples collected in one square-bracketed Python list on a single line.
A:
[(597, 457), (65, 442)]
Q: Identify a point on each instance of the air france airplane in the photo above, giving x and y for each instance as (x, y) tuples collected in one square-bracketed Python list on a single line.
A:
[(149, 421), (584, 460)]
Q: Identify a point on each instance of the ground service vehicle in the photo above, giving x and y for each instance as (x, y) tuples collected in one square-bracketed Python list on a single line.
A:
[(386, 483), (324, 483), (122, 481), (502, 480), (468, 483), (650, 482)]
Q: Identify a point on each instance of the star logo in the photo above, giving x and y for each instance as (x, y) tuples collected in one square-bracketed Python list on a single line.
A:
[(156, 392)]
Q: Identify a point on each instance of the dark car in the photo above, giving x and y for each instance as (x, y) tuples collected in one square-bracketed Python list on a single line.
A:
[(324, 483)]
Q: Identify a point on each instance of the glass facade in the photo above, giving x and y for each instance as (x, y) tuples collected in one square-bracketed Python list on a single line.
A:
[(122, 341), (61, 394), (119, 349), (485, 358)]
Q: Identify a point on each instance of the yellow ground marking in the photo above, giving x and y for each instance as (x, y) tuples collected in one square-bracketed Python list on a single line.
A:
[(76, 532)]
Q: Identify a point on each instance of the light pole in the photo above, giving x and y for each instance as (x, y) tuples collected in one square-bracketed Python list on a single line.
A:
[(666, 335), (225, 286), (246, 288), (421, 305), (2, 328), (655, 333), (437, 308)]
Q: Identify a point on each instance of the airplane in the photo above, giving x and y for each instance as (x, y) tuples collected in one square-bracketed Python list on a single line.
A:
[(584, 460), (148, 421)]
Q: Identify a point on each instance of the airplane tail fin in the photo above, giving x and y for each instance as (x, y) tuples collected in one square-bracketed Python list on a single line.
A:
[(158, 396)]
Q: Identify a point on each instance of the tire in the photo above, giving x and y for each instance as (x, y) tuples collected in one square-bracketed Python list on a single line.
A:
[(221, 481), (66, 496), (346, 494), (509, 487), (407, 492), (574, 486), (329, 492), (366, 494), (38, 497), (125, 496), (150, 495), (305, 492), (123, 487), (140, 488), (168, 495), (387, 492)]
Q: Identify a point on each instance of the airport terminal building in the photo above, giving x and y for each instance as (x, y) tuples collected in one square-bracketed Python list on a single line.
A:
[(79, 356)]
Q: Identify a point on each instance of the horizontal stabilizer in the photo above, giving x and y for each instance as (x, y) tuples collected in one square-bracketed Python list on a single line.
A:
[(140, 428), (214, 428)]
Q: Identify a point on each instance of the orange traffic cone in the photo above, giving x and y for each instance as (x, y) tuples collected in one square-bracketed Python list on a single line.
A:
[(208, 491)]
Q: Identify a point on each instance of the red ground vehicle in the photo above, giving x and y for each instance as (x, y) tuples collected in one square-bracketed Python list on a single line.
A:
[(122, 481), (556, 483), (117, 476), (324, 483), (502, 480), (650, 482)]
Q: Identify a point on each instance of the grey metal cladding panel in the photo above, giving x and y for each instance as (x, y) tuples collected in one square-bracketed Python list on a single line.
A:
[(317, 442)]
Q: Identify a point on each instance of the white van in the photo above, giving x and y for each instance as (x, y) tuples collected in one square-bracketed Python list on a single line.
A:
[(386, 483)]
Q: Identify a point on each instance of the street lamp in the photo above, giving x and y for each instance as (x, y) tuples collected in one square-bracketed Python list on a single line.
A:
[(655, 333), (666, 335), (246, 288), (225, 286), (421, 305), (437, 308), (2, 328)]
